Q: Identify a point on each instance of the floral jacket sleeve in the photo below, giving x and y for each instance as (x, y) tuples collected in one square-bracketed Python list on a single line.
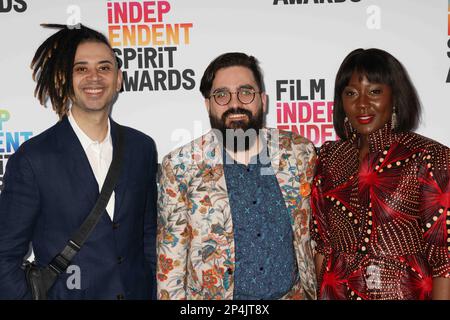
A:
[(172, 229)]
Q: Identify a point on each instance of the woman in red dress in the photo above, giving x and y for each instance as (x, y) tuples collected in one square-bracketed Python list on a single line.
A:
[(381, 195)]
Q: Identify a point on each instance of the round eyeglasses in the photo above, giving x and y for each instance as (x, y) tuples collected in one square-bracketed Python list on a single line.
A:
[(223, 97)]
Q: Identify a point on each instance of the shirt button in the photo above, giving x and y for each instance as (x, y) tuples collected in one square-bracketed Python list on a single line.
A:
[(116, 225), (120, 260), (261, 269), (230, 271), (258, 234), (120, 296), (254, 202)]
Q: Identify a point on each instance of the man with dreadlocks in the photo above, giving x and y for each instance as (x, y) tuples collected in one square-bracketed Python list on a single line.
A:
[(53, 181)]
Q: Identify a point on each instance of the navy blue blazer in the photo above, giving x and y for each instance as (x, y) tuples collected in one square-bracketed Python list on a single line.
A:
[(49, 189)]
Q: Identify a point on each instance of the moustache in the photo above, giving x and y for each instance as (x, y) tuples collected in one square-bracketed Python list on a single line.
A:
[(236, 111)]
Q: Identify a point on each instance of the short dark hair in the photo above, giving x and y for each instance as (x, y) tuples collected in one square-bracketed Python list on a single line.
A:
[(378, 66), (53, 61), (230, 59)]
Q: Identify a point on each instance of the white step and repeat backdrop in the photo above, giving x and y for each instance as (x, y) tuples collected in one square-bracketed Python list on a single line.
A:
[(166, 45)]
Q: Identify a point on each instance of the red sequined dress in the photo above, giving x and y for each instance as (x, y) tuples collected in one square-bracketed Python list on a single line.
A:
[(383, 226)]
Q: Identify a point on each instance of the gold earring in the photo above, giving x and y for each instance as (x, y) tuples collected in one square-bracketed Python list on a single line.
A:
[(348, 128), (394, 119)]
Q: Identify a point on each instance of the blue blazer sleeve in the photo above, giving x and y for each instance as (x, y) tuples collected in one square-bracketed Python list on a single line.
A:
[(19, 208), (150, 219)]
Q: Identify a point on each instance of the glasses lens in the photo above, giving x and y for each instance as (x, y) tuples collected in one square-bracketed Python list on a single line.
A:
[(246, 96), (222, 97)]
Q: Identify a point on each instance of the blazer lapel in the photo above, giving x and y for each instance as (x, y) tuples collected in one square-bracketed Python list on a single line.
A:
[(220, 222), (75, 159), (217, 186), (120, 188), (272, 138), (285, 167)]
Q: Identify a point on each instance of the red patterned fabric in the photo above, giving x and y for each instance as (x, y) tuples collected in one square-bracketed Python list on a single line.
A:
[(382, 225)]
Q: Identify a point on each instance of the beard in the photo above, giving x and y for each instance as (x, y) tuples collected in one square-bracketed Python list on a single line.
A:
[(238, 135)]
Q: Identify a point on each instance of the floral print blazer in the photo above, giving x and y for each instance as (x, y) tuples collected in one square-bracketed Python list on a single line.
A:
[(195, 244)]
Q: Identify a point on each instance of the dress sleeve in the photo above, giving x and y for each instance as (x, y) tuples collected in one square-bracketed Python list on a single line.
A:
[(434, 178), (319, 229)]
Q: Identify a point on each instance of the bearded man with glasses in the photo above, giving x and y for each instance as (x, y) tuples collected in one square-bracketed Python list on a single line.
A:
[(234, 204)]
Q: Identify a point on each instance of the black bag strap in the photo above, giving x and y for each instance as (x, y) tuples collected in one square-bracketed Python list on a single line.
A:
[(61, 262)]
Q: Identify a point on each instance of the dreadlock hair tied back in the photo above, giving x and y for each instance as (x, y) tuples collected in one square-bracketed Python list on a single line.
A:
[(52, 64)]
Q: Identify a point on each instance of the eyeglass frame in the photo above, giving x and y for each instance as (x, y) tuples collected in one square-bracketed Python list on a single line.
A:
[(237, 95)]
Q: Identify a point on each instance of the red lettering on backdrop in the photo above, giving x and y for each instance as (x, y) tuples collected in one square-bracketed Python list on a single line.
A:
[(312, 119), (137, 12)]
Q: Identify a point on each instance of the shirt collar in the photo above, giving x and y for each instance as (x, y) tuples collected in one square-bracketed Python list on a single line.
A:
[(83, 137), (258, 159)]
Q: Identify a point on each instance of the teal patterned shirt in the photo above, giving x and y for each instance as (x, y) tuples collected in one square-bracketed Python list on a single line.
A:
[(265, 257)]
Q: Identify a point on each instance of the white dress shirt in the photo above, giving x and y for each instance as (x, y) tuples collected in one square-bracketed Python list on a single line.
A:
[(99, 155)]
